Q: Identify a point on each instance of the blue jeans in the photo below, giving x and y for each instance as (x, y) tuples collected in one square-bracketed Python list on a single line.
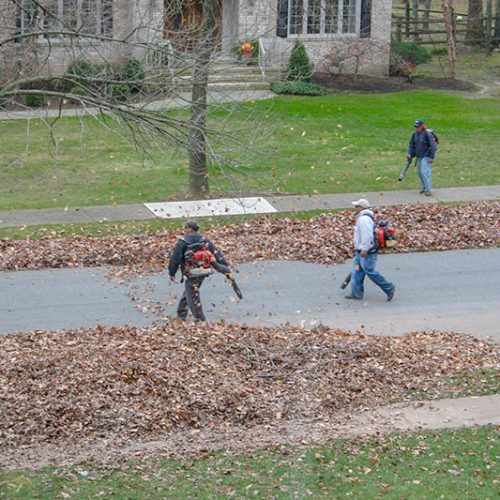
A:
[(365, 266), (424, 171)]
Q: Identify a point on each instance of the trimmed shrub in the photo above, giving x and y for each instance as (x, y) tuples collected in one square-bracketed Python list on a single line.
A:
[(77, 90), (297, 88), (81, 67), (80, 70), (104, 78), (300, 68), (412, 52), (133, 72), (35, 100), (439, 51), (118, 91)]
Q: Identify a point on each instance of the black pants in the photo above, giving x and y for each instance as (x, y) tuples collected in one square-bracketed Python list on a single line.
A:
[(191, 300)]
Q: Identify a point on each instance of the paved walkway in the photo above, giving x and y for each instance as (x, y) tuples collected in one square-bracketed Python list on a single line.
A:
[(182, 99), (402, 417), (292, 203)]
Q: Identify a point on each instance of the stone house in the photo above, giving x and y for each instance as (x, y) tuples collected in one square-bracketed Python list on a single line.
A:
[(115, 30)]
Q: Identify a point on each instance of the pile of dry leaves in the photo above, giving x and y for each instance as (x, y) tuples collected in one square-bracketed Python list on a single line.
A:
[(324, 239), (142, 383)]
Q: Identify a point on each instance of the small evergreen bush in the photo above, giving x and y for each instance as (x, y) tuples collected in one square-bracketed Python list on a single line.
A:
[(105, 79), (410, 51), (35, 100), (300, 68), (77, 90), (82, 68), (80, 71), (439, 51), (297, 88), (118, 91), (133, 72)]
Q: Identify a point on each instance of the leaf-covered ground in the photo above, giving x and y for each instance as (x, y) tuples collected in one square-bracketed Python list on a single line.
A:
[(139, 384), (323, 239), (129, 385)]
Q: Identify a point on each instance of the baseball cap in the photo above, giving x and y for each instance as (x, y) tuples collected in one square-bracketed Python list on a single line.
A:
[(361, 203), (418, 123), (192, 224)]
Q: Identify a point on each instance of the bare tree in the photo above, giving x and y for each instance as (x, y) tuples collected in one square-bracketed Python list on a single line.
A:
[(450, 37), (415, 16), (70, 51), (198, 154), (425, 18), (475, 24), (497, 23)]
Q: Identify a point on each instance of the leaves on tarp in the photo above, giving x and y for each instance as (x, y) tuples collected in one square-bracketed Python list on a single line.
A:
[(141, 383), (325, 239)]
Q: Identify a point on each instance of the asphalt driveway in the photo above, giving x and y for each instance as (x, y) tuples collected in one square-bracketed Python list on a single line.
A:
[(453, 291)]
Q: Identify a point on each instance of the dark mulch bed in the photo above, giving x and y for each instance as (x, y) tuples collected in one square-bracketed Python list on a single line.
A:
[(392, 84)]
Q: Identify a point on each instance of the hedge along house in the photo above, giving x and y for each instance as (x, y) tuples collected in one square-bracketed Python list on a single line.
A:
[(44, 36)]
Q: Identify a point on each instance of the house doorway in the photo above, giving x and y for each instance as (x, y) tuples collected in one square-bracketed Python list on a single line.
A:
[(183, 22)]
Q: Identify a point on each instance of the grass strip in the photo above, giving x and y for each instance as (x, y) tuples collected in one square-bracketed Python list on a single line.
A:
[(329, 144), (433, 464)]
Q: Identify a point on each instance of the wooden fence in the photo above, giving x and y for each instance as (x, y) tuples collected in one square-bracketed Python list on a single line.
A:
[(427, 27)]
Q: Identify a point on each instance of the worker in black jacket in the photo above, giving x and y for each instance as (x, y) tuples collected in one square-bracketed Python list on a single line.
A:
[(423, 146), (193, 241)]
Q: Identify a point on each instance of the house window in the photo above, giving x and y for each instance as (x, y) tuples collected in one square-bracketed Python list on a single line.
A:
[(319, 17), (90, 17)]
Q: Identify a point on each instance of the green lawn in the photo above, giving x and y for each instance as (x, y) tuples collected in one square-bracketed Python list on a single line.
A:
[(448, 464), (336, 143)]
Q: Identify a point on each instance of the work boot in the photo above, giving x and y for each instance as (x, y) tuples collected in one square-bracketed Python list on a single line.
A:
[(351, 297)]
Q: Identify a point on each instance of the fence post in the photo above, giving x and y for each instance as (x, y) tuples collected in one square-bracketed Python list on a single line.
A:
[(407, 19), (399, 28), (453, 23), (415, 20), (487, 39)]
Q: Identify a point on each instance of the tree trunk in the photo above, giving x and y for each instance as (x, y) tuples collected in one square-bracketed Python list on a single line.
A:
[(496, 42), (488, 26), (475, 28), (450, 38), (415, 20), (8, 51), (198, 168), (425, 17)]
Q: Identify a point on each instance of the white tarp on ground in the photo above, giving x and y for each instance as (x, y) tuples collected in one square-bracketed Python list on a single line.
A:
[(209, 208)]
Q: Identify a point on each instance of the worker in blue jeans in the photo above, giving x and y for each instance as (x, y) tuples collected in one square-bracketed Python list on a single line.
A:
[(423, 146), (365, 260)]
